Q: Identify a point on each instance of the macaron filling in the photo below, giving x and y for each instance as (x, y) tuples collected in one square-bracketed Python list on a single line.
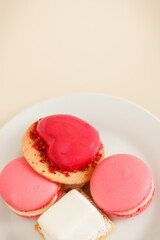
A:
[(144, 203), (67, 143), (35, 212)]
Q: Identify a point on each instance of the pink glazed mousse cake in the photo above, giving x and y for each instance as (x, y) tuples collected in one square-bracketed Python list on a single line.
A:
[(122, 185), (63, 148), (27, 193)]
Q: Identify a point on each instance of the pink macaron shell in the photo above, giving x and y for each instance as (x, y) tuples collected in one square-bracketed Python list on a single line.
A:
[(24, 189), (135, 213), (120, 183), (59, 194)]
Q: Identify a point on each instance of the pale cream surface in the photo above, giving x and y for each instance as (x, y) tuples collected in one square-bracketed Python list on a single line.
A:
[(148, 198), (73, 217), (50, 48), (36, 212)]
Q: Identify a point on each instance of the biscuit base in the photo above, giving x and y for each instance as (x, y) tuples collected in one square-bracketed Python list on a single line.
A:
[(33, 157), (38, 228)]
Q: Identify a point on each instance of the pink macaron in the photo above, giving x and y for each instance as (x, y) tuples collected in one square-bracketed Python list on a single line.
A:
[(122, 185), (27, 193)]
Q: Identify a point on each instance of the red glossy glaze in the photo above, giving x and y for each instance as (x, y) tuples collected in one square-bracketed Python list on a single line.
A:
[(71, 142)]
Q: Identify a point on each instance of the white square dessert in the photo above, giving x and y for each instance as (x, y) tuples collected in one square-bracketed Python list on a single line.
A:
[(73, 217)]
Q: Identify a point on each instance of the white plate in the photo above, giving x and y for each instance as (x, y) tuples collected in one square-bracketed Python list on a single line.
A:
[(124, 127)]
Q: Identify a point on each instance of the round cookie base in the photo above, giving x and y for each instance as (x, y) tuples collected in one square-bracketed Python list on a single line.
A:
[(33, 157)]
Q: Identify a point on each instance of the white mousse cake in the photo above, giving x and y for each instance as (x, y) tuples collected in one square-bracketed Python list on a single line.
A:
[(74, 217)]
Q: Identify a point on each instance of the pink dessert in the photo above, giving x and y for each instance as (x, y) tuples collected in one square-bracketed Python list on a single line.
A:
[(27, 193), (122, 185), (68, 142)]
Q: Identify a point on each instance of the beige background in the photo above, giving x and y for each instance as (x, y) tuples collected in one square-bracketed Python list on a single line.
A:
[(56, 47)]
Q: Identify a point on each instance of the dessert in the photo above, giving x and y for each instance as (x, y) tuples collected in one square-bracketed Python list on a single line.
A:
[(63, 148), (74, 217), (122, 185), (26, 192), (69, 187)]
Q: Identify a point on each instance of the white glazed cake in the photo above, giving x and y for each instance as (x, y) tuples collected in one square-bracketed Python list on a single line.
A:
[(73, 217)]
